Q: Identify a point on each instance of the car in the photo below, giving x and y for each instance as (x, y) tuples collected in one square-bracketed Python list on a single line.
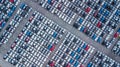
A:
[(19, 36), (51, 63), (5, 56), (31, 18), (13, 45), (17, 18), (5, 41)]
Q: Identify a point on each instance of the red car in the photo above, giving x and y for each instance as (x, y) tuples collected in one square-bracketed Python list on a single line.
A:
[(20, 35), (13, 45)]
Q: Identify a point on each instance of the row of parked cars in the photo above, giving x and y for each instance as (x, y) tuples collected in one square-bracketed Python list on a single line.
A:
[(113, 34), (100, 25), (73, 52), (116, 48), (7, 8), (10, 29), (40, 37), (101, 60), (94, 17), (36, 41), (64, 9)]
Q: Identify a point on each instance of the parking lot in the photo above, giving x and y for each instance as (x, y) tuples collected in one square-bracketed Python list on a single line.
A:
[(49, 45)]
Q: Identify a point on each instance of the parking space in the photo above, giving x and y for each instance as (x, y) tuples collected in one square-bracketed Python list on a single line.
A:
[(64, 9), (98, 20), (4, 63), (116, 48), (10, 29), (52, 36), (73, 52), (7, 8), (101, 24), (36, 40), (101, 60)]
